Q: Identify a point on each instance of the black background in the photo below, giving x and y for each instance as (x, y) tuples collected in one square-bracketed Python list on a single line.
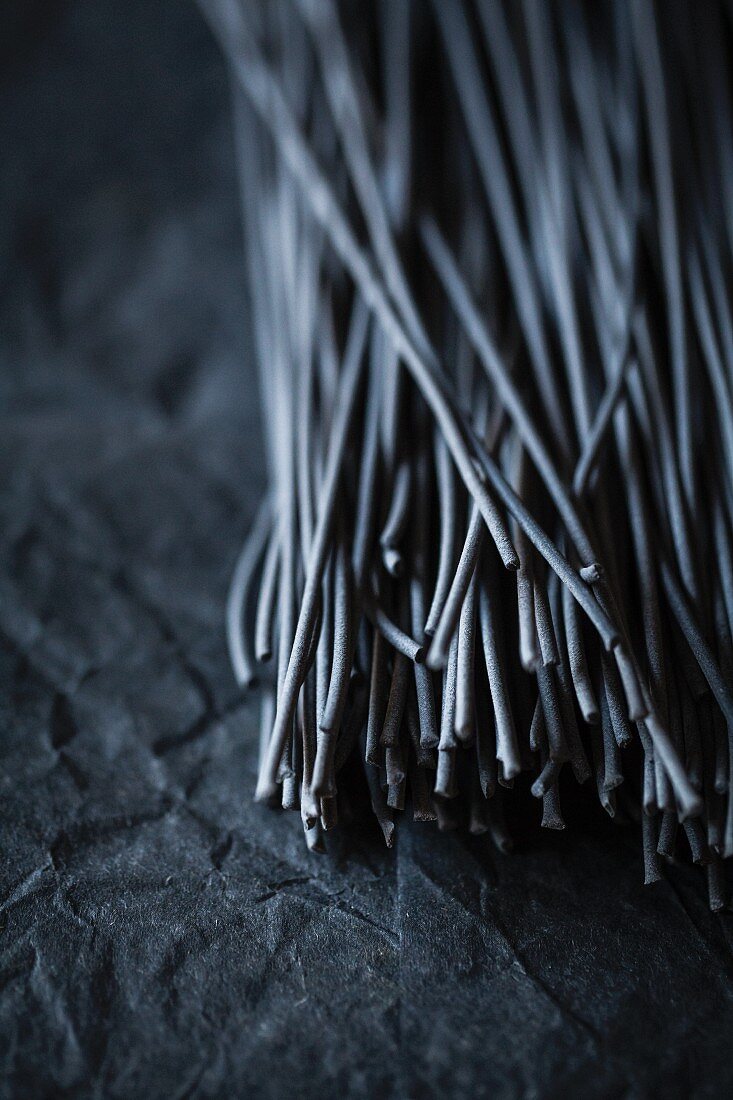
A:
[(160, 935)]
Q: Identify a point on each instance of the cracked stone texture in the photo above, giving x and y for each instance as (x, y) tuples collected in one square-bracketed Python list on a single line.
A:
[(160, 935)]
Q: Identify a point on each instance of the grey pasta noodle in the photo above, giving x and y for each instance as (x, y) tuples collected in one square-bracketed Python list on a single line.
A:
[(489, 276)]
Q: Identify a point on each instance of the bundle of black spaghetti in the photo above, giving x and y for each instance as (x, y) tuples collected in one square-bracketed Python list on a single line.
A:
[(489, 257)]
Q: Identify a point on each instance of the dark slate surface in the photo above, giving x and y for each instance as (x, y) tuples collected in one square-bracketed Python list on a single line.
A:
[(161, 936)]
